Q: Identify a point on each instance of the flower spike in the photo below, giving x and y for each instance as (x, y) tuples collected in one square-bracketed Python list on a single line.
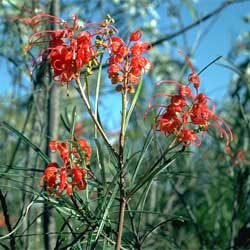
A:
[(126, 63), (187, 114), (70, 176), (68, 48)]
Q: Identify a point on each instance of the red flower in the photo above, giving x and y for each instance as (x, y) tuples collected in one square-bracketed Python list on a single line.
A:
[(58, 179), (71, 175), (53, 145), (50, 177), (78, 129), (135, 36), (115, 43), (188, 136), (84, 55), (114, 69), (61, 148), (185, 91), (187, 114), (168, 123), (126, 63), (84, 38), (69, 189), (78, 178), (63, 179), (178, 101), (85, 147), (61, 59), (139, 47), (68, 50)]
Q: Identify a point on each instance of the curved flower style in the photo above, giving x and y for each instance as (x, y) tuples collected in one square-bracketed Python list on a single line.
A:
[(70, 176), (69, 48), (126, 62), (188, 113)]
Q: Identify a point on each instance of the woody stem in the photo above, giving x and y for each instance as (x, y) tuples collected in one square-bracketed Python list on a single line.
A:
[(121, 169)]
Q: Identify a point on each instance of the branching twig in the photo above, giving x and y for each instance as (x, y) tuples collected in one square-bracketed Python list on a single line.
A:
[(194, 24)]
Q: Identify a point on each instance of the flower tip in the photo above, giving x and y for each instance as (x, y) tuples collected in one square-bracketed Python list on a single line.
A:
[(135, 36), (181, 52)]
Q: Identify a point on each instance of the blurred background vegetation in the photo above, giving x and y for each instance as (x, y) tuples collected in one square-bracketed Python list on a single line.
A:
[(201, 201)]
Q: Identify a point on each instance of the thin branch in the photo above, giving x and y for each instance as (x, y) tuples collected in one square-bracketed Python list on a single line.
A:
[(194, 24)]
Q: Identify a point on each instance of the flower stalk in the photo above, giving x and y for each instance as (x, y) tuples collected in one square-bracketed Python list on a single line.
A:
[(97, 124)]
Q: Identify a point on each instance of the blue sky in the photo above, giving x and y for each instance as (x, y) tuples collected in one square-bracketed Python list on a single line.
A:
[(220, 34), (217, 41), (219, 37)]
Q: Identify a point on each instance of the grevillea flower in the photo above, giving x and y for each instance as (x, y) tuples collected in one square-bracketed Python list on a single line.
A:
[(69, 48), (63, 149), (70, 176), (50, 175), (187, 113), (126, 64), (135, 36), (78, 178), (85, 148)]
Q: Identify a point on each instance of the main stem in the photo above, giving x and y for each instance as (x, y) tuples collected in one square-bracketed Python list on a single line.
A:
[(121, 168)]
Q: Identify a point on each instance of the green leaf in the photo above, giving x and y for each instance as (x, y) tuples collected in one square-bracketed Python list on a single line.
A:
[(143, 153), (72, 124), (66, 117), (130, 111), (106, 212), (65, 124), (98, 83), (152, 174), (157, 226), (101, 163), (142, 201), (26, 141), (191, 8)]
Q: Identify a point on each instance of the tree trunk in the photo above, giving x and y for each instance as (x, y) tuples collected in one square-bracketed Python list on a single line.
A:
[(49, 223)]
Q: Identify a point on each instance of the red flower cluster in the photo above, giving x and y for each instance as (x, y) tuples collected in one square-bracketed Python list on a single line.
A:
[(187, 114), (69, 49), (63, 149), (126, 63), (71, 175)]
